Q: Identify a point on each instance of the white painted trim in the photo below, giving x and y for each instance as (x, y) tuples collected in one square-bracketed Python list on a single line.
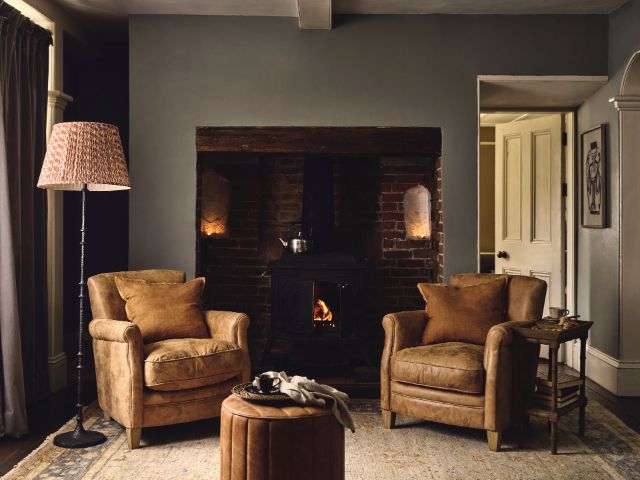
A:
[(528, 78), (621, 378), (571, 349)]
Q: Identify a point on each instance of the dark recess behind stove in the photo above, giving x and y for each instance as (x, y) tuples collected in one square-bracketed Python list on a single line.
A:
[(317, 203)]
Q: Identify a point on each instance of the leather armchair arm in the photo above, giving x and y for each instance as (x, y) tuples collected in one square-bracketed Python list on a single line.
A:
[(114, 330), (119, 356), (231, 327), (499, 364), (401, 330)]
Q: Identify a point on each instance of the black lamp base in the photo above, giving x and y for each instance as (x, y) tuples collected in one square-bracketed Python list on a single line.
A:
[(79, 438)]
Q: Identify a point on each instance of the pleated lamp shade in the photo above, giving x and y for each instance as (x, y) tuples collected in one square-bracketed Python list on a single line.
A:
[(84, 153)]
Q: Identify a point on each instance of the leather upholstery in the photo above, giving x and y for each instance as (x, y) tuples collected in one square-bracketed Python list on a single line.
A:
[(261, 442), (525, 295), (184, 363), (106, 301), (452, 366), (507, 371), (165, 310), (462, 314), (401, 330), (121, 371)]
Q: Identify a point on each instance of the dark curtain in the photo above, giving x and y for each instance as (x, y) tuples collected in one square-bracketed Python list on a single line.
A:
[(24, 67)]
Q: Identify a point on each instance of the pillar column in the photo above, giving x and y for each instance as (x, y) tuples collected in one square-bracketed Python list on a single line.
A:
[(57, 360)]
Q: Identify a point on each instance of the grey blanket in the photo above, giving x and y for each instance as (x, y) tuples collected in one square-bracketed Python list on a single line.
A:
[(305, 391)]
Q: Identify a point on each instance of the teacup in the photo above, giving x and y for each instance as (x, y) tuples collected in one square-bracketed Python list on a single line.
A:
[(266, 383), (558, 312)]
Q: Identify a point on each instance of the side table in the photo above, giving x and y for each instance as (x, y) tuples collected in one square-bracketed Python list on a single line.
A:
[(554, 338)]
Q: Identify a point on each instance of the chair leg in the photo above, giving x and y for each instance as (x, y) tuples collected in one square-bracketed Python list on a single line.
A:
[(133, 437), (106, 416), (494, 439), (388, 419)]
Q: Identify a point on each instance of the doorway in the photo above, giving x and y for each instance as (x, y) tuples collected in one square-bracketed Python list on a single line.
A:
[(508, 100), (524, 162)]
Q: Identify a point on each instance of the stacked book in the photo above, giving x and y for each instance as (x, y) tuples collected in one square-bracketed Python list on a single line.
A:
[(565, 395)]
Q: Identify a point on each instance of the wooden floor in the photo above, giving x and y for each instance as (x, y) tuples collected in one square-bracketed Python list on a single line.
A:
[(47, 417)]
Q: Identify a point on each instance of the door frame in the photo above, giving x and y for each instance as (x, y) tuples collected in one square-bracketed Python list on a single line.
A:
[(570, 351)]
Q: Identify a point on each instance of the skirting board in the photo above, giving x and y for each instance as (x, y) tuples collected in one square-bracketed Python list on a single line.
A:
[(620, 377)]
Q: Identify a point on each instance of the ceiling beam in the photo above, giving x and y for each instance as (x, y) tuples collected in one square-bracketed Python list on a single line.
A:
[(314, 14)]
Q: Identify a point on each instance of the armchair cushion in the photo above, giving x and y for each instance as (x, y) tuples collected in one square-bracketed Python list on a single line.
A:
[(180, 364), (451, 366), (164, 310), (463, 314)]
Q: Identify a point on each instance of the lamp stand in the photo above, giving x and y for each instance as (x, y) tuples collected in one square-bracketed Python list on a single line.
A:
[(79, 437)]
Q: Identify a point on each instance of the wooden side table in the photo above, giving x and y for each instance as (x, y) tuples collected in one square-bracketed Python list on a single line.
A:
[(554, 338)]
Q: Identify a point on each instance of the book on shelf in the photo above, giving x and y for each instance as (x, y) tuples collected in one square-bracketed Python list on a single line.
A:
[(564, 380), (562, 392), (545, 401)]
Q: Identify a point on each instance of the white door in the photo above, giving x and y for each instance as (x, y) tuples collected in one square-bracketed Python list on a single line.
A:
[(529, 215)]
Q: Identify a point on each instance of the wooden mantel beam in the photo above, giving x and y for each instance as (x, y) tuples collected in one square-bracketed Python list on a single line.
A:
[(314, 14), (390, 141)]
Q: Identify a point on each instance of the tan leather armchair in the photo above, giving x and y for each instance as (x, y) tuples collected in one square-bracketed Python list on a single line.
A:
[(476, 386), (166, 382)]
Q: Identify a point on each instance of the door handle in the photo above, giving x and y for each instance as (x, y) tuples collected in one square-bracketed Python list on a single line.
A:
[(502, 254)]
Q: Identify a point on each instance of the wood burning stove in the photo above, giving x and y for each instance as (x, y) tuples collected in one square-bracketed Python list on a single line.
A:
[(315, 299)]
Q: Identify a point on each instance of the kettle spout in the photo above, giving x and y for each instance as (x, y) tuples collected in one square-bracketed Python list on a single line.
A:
[(283, 242)]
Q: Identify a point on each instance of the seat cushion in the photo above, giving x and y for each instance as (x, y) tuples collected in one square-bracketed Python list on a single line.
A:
[(179, 364), (164, 311), (463, 314), (451, 366)]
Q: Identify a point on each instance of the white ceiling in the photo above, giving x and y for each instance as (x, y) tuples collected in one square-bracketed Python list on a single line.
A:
[(288, 8)]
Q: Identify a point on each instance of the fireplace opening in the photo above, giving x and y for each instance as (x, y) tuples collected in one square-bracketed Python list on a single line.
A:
[(318, 313)]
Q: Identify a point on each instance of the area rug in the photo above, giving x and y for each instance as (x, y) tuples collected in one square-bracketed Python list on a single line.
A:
[(413, 450)]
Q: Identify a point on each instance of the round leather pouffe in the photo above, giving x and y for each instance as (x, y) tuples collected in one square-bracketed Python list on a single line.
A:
[(288, 442)]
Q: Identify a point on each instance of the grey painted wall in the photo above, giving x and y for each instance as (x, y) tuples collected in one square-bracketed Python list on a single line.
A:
[(370, 70), (598, 250)]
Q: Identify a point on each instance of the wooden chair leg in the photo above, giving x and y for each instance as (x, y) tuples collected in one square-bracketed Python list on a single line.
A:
[(388, 419), (133, 437), (106, 416), (494, 439)]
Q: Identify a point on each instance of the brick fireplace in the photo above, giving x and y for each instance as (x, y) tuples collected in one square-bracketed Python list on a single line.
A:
[(362, 267)]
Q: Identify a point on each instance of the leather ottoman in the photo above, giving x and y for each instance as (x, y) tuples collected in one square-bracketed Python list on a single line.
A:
[(260, 442)]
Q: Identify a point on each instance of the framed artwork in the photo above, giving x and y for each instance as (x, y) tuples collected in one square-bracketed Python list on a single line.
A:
[(593, 162)]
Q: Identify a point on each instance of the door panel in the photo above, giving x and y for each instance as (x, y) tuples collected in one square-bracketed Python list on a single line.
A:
[(541, 189), (512, 163), (529, 223)]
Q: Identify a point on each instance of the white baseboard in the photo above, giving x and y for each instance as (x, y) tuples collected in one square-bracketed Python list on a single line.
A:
[(57, 372), (620, 377)]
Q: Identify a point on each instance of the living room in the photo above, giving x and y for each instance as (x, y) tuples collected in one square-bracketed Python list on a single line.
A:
[(260, 199)]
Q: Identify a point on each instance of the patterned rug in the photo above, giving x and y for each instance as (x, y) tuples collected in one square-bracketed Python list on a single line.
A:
[(413, 450)]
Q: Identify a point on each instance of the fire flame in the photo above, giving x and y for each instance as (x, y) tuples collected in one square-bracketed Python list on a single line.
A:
[(321, 312)]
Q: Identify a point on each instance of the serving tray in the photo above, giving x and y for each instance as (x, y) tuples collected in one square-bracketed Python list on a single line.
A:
[(247, 391)]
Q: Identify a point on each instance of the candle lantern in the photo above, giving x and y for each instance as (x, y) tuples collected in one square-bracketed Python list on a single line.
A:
[(417, 213), (216, 192)]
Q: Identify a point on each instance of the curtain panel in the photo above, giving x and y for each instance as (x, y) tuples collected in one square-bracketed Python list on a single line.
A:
[(24, 66)]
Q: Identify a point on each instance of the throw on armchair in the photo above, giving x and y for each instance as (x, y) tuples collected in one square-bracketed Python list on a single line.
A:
[(457, 383), (164, 382)]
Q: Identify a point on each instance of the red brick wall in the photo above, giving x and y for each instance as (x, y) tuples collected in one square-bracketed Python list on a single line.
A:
[(266, 199)]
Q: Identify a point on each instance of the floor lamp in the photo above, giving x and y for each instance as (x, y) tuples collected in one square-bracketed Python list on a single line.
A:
[(83, 156)]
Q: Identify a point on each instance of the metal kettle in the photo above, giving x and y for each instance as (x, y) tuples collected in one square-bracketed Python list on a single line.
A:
[(298, 244)]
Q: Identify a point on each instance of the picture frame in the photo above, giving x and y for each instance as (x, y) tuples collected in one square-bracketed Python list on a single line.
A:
[(593, 174)]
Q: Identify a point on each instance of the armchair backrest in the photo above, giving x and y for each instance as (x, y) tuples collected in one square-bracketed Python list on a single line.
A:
[(525, 295), (106, 302)]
